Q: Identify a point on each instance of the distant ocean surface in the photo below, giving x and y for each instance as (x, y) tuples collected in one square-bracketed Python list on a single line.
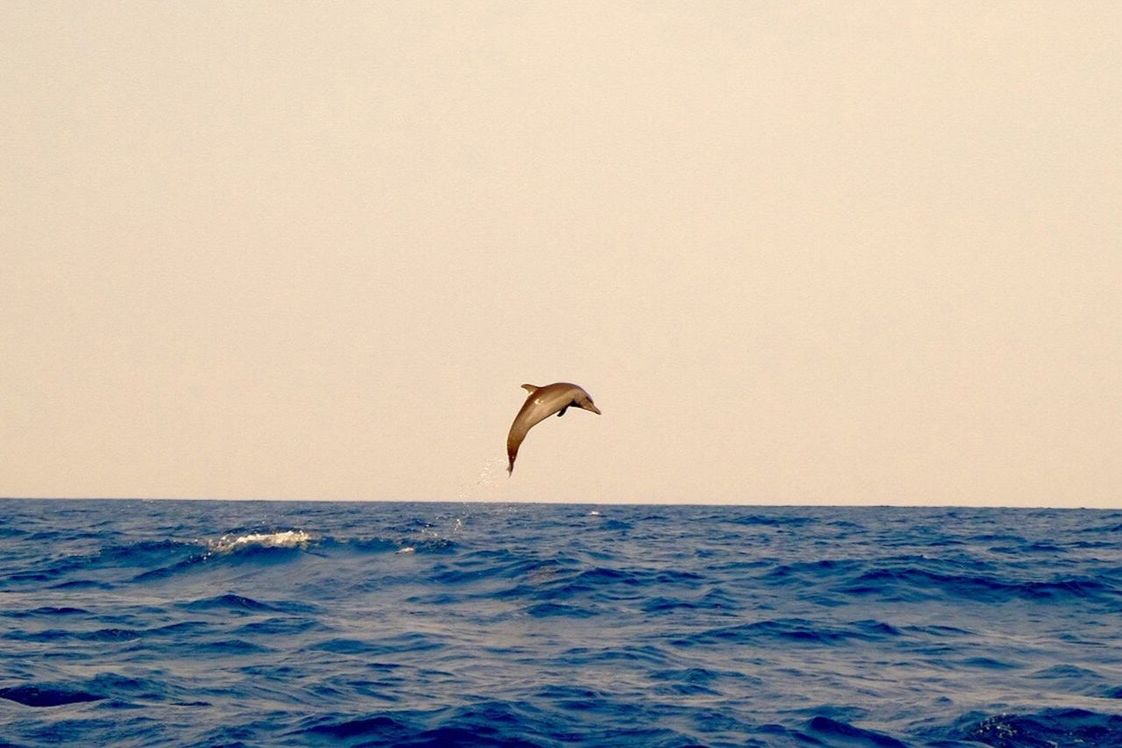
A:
[(414, 624)]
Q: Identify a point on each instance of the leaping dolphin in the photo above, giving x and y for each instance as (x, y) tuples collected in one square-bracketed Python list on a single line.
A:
[(541, 403)]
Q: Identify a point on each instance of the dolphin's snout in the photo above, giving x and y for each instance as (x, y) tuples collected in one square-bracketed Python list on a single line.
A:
[(591, 407)]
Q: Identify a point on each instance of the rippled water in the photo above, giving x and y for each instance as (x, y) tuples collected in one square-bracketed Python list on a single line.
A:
[(269, 623)]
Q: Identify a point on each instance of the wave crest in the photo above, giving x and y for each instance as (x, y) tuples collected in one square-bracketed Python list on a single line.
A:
[(283, 539)]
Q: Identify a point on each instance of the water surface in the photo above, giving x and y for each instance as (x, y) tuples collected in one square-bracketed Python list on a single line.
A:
[(276, 623)]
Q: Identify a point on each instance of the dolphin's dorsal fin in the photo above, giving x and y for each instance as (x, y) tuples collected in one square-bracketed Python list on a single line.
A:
[(530, 387)]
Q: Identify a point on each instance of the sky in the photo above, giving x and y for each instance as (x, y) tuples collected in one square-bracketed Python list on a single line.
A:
[(797, 252)]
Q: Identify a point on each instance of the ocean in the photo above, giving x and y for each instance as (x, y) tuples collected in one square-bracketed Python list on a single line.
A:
[(151, 623)]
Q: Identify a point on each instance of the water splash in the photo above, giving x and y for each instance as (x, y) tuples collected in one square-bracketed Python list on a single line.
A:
[(491, 472), (284, 539)]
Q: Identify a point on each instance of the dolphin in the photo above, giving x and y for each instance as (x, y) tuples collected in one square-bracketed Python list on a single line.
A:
[(541, 403)]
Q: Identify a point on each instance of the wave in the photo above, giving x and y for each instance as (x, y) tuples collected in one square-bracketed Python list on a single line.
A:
[(104, 686), (229, 602), (1045, 728), (562, 610), (488, 723), (280, 547), (914, 583), (40, 696), (791, 631), (156, 558), (45, 612), (773, 520), (834, 730), (282, 539)]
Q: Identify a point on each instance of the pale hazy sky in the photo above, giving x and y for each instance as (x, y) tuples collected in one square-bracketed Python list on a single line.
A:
[(864, 252)]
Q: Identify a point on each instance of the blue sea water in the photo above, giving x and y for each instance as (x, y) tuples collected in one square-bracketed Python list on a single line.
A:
[(275, 623)]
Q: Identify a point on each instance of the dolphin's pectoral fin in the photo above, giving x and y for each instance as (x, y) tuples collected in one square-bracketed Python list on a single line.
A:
[(562, 411)]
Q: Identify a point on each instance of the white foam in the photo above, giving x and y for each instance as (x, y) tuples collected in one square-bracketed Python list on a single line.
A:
[(406, 549), (285, 539)]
